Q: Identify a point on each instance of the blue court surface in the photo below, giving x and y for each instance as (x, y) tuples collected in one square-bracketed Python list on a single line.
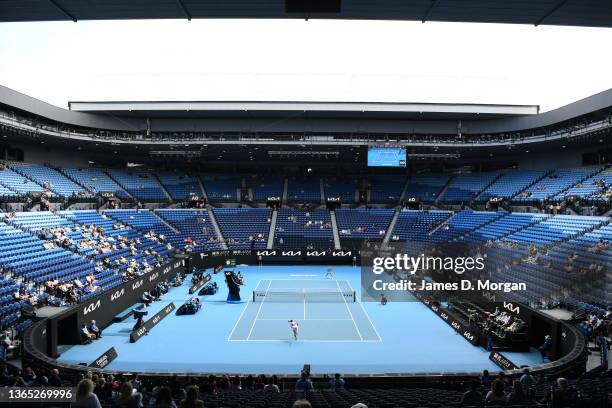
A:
[(337, 333)]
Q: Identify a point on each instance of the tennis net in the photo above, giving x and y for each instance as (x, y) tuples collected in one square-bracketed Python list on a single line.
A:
[(303, 295)]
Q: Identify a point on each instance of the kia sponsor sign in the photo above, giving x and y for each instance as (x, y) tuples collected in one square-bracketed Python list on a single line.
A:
[(152, 322), (464, 330)]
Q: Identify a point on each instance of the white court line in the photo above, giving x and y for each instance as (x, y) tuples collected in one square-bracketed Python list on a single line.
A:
[(310, 341), (258, 311), (308, 320), (241, 314), (364, 311), (304, 292), (349, 310)]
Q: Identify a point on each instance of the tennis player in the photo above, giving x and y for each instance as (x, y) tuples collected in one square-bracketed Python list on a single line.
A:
[(329, 274), (294, 328)]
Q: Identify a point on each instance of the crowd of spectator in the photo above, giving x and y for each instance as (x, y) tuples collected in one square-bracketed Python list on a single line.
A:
[(97, 390)]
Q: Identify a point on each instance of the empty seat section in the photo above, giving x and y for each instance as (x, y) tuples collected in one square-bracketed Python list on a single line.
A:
[(386, 189), (18, 183), (240, 226), (466, 187), (556, 182), (96, 180), (222, 189), (303, 229), (597, 186), (194, 224), (426, 187), (140, 184), (356, 225), (301, 189), (511, 183), (462, 223), (504, 226), (51, 179), (179, 186), (263, 187), (145, 221), (343, 188), (416, 225), (557, 228)]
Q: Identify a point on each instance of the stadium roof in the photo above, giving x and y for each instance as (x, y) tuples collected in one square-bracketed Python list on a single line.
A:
[(364, 110), (596, 13), (290, 116)]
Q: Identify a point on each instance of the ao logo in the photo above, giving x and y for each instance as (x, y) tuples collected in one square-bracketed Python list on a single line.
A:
[(117, 294), (91, 307)]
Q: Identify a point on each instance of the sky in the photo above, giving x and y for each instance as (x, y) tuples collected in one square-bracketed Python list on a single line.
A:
[(296, 60)]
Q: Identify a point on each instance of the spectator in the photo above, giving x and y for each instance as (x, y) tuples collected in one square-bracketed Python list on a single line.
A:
[(192, 398), (93, 329), (86, 336), (85, 397), (562, 396), (271, 386), (164, 398), (472, 396), (527, 379), (496, 395), (301, 403), (546, 347), (128, 397), (337, 383), (54, 378), (517, 395), (485, 379), (304, 383)]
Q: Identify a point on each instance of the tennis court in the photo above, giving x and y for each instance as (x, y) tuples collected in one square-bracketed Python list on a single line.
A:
[(326, 310)]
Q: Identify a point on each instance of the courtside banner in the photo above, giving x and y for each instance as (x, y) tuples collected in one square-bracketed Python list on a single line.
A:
[(152, 322), (105, 359), (205, 279), (465, 331), (503, 362)]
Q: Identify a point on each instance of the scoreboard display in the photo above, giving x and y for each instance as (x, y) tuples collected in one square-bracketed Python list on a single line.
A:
[(386, 157)]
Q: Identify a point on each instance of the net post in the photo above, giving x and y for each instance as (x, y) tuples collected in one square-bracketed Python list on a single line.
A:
[(253, 296), (354, 297)]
